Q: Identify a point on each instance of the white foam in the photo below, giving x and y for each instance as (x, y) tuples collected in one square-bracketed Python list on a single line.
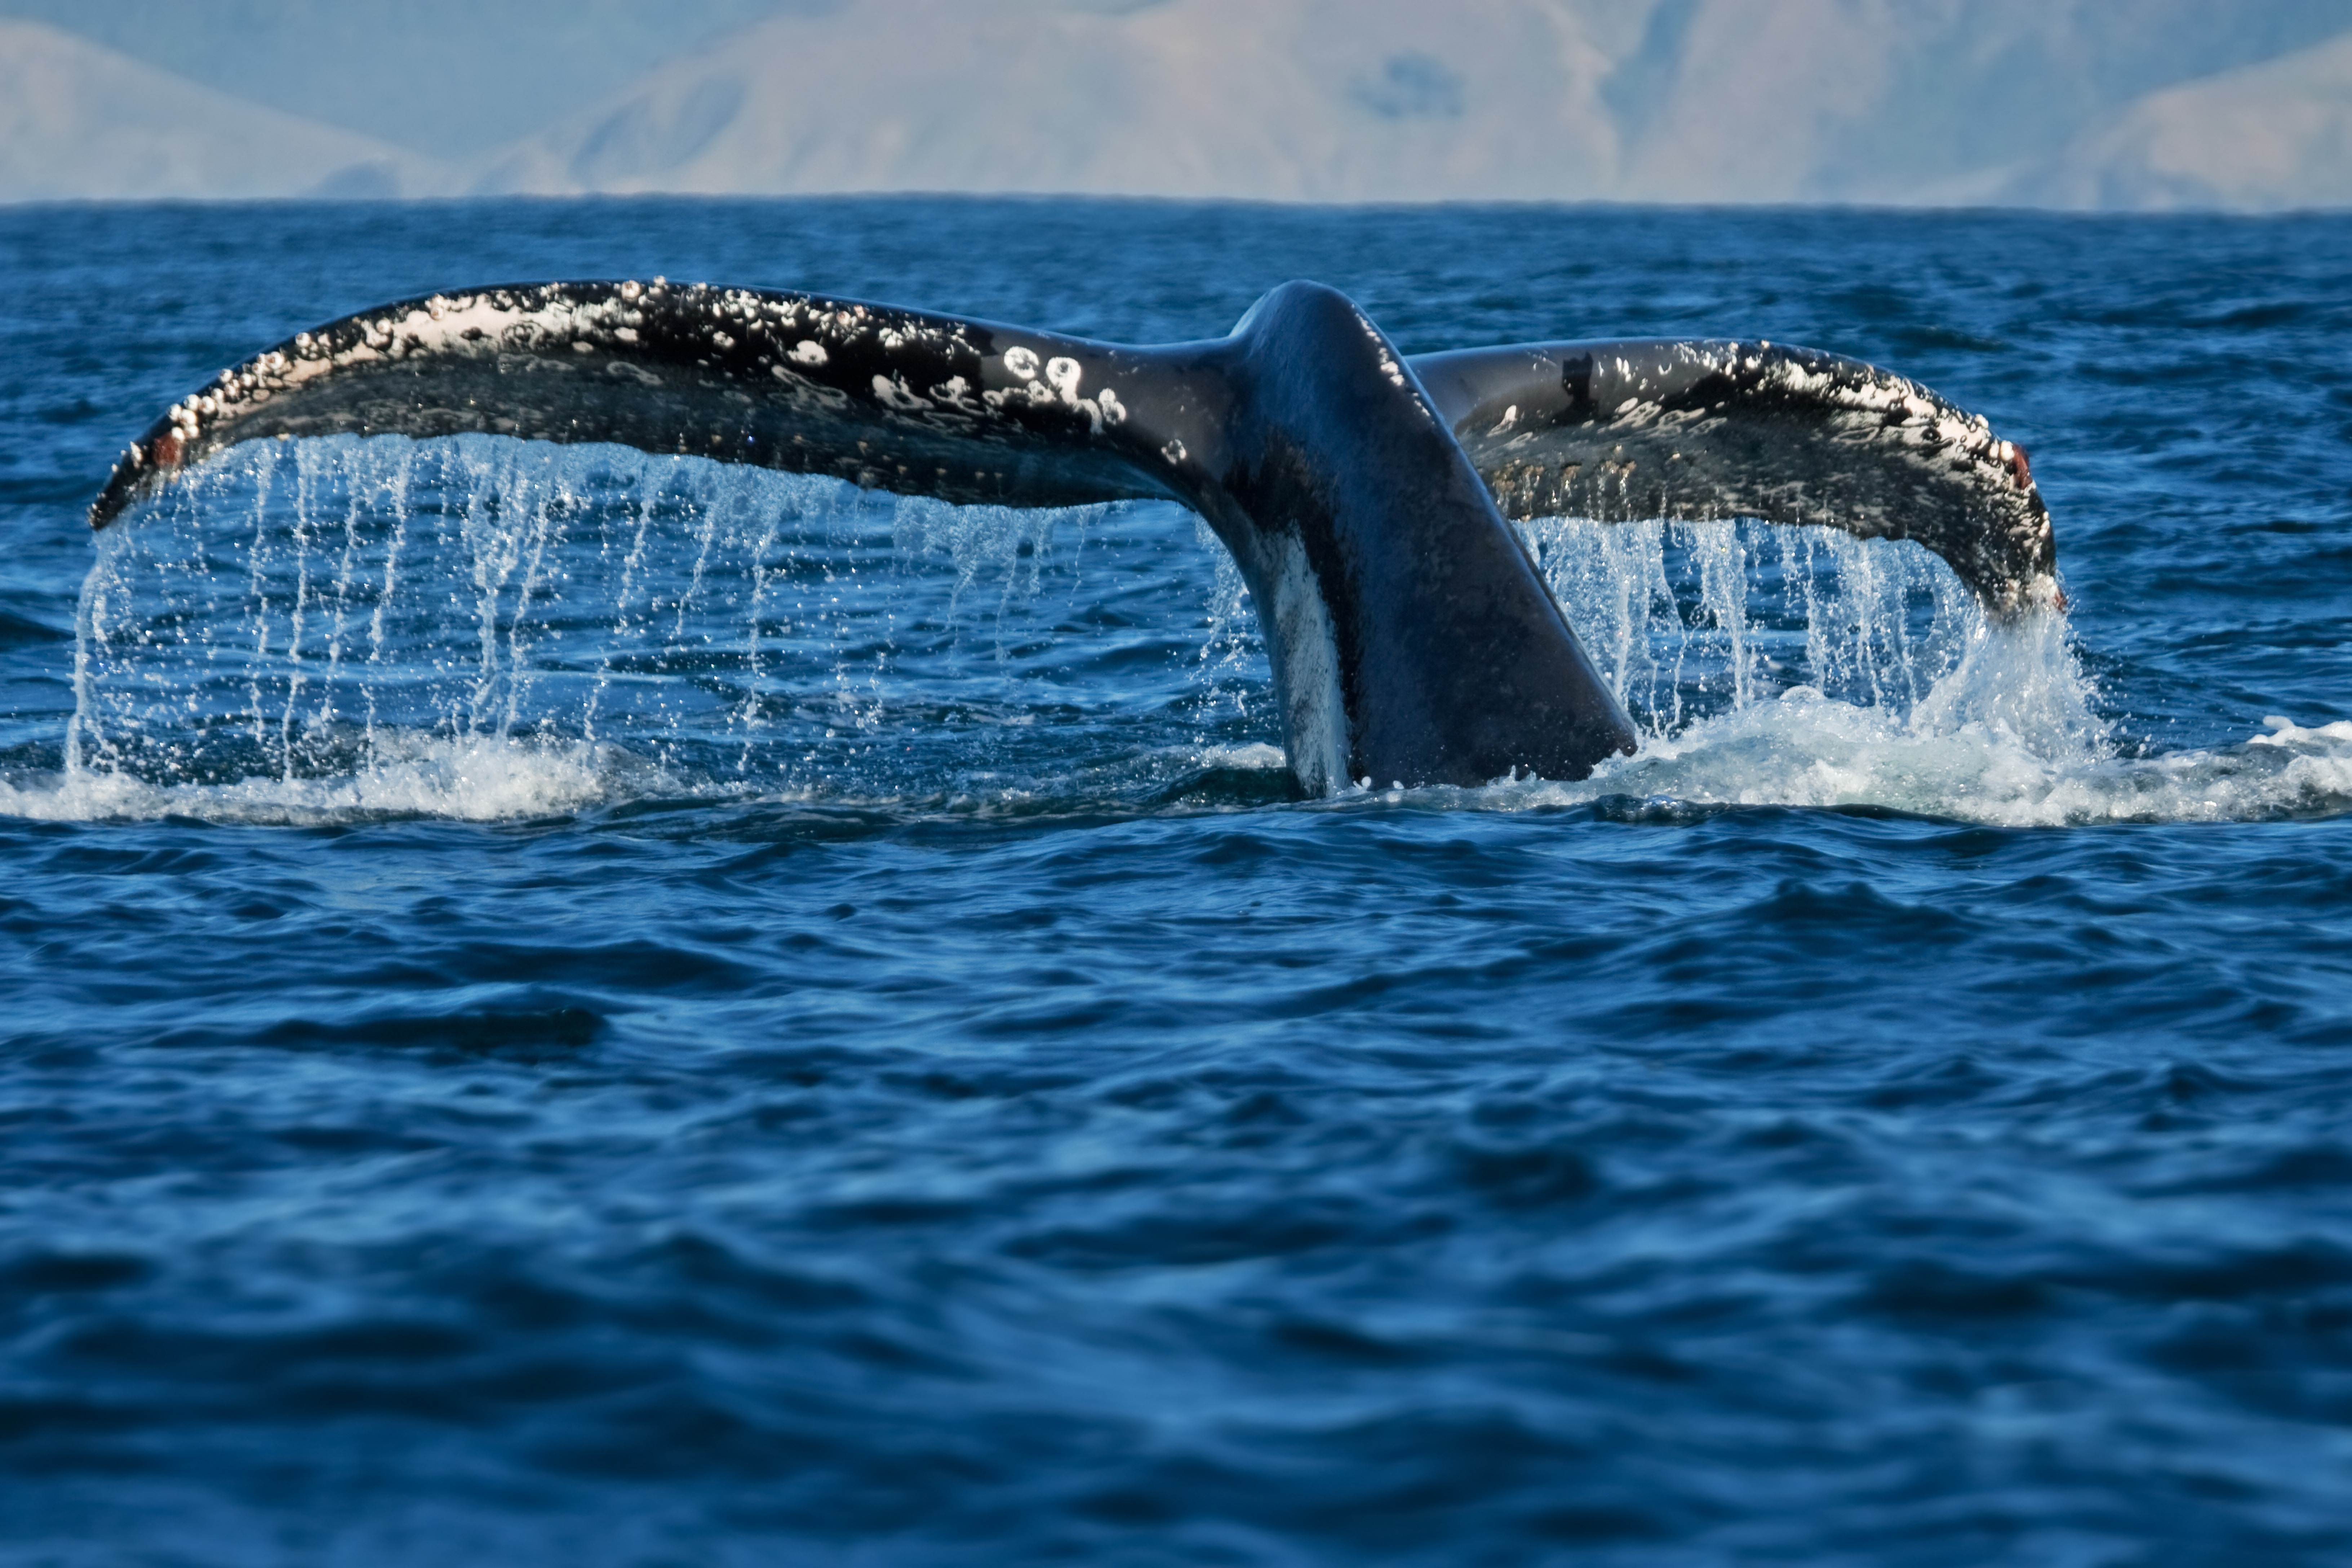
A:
[(1935, 710), (1255, 756), (479, 779), (1961, 762)]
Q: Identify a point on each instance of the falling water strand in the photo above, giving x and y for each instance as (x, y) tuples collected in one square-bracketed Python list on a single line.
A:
[(649, 492), (706, 531), (494, 551), (257, 587), (306, 467), (396, 507), (345, 562), (747, 715), (546, 521)]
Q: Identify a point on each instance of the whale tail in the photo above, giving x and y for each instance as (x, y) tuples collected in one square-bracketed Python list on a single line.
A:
[(1703, 428), (1362, 494)]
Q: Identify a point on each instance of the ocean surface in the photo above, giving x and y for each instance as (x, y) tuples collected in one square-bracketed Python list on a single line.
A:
[(558, 1006)]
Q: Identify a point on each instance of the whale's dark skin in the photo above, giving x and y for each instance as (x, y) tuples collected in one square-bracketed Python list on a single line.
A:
[(1362, 494)]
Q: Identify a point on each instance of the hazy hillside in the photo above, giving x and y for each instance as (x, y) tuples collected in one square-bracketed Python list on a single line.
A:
[(1918, 101), (80, 121), (1711, 100), (1316, 99), (2270, 136), (449, 78), (2153, 103)]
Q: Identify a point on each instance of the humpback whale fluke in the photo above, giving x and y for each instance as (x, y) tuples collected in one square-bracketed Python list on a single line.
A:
[(1713, 428), (1361, 493)]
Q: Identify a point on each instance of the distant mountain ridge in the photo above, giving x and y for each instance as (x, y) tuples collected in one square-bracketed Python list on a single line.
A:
[(2078, 103), (1310, 100)]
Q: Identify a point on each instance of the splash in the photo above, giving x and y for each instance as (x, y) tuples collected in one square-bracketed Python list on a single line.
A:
[(1800, 749), (1847, 674), (480, 627), (1689, 619), (484, 629)]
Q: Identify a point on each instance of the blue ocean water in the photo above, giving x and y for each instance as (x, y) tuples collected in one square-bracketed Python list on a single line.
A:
[(571, 1007)]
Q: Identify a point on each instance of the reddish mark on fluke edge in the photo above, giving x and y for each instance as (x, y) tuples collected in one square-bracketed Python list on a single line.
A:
[(165, 453), (2022, 472)]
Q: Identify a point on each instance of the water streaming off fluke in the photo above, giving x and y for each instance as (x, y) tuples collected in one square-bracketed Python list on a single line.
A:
[(480, 627)]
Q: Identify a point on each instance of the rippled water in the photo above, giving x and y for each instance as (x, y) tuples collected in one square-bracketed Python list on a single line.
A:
[(588, 1007)]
